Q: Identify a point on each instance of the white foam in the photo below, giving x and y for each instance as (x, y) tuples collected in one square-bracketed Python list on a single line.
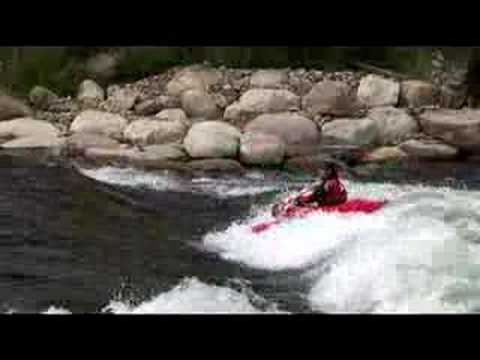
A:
[(52, 310), (418, 254), (191, 296), (164, 181)]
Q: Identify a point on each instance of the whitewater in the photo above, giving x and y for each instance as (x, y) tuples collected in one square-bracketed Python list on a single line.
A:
[(419, 254)]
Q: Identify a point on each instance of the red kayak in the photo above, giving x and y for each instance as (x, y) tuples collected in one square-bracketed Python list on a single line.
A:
[(351, 206)]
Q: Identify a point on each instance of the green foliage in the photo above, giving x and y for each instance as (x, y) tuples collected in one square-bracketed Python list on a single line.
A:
[(62, 68)]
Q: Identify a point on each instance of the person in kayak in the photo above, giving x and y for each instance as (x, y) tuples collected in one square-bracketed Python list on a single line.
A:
[(329, 191)]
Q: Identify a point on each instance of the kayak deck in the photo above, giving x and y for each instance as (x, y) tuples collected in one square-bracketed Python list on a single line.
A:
[(355, 205)]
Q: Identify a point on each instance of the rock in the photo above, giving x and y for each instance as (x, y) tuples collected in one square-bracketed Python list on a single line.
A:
[(173, 115), (268, 79), (299, 133), (359, 132), (385, 153), (79, 142), (261, 101), (169, 102), (197, 103), (149, 131), (28, 132), (377, 91), (309, 164), (34, 141), (63, 105), (99, 122), (121, 100), (11, 108), (154, 106), (212, 139), (329, 98), (460, 128), (90, 94), (155, 157), (42, 97), (190, 79), (429, 149), (148, 107), (103, 67), (216, 165), (261, 149), (393, 125), (416, 93), (348, 154)]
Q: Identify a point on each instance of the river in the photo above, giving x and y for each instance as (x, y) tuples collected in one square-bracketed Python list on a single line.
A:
[(123, 241)]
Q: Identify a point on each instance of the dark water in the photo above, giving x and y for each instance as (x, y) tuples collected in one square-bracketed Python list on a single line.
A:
[(69, 241)]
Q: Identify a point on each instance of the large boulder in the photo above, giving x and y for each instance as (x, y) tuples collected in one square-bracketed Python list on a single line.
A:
[(99, 122), (299, 134), (28, 132), (416, 93), (261, 149), (34, 141), (173, 115), (269, 79), (199, 104), (429, 149), (212, 139), (121, 100), (394, 125), (377, 91), (329, 98), (359, 132), (42, 97), (11, 108), (90, 94), (155, 105), (149, 131), (460, 128), (385, 153), (192, 79), (77, 143), (255, 102)]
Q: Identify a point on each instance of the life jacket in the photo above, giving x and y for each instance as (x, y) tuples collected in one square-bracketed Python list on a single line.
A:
[(335, 192)]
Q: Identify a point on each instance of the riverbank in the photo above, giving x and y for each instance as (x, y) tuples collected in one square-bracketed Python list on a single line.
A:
[(204, 119)]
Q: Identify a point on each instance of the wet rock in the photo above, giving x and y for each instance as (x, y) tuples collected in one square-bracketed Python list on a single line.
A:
[(299, 134), (90, 94), (429, 149), (28, 132), (330, 98), (149, 131), (261, 101), (416, 93), (459, 128), (376, 91), (197, 103), (212, 139), (269, 79), (261, 149), (360, 132), (99, 122), (393, 125), (11, 108)]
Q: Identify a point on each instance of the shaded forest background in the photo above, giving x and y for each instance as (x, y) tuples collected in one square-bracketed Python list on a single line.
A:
[(63, 68)]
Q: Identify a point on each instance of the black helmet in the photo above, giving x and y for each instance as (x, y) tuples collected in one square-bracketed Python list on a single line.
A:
[(330, 169)]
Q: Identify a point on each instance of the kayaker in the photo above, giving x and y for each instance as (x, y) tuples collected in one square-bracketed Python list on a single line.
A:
[(328, 191)]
